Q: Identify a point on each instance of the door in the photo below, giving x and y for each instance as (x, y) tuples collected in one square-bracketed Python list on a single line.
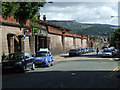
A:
[(28, 60)]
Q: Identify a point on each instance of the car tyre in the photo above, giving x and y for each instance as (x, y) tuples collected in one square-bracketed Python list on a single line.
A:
[(33, 67), (52, 64), (49, 64)]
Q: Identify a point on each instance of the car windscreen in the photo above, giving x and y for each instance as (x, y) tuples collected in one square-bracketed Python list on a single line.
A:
[(107, 50), (41, 54), (15, 56), (73, 50)]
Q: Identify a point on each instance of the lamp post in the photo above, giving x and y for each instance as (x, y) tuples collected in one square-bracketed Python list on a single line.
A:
[(118, 19), (37, 30)]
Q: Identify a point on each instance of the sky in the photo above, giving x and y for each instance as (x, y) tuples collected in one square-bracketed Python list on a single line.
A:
[(83, 12)]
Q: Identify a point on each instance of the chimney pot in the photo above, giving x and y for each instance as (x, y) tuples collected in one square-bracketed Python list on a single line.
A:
[(44, 17)]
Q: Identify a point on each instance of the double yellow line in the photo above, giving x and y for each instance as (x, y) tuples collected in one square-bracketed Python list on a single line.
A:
[(112, 73)]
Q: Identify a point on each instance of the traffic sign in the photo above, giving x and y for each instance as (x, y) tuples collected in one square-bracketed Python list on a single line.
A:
[(24, 36), (27, 30)]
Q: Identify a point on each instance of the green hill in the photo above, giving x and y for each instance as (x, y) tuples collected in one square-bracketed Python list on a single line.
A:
[(87, 29)]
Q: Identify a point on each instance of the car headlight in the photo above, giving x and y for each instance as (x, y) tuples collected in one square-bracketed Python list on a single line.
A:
[(45, 59)]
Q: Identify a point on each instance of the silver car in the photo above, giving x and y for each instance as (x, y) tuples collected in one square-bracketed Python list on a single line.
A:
[(74, 52), (107, 52)]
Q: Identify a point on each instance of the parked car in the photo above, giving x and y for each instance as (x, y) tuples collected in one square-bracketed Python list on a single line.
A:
[(114, 51), (18, 61), (74, 52), (84, 50), (43, 58), (117, 57), (80, 50), (90, 49), (87, 50), (107, 52), (104, 47)]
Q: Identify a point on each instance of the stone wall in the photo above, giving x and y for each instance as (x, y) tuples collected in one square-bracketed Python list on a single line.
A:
[(69, 43), (5, 31), (32, 45), (84, 43), (12, 31), (0, 44), (78, 42), (27, 45), (55, 46), (60, 44)]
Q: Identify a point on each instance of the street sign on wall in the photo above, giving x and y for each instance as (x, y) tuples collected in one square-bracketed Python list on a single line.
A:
[(27, 31)]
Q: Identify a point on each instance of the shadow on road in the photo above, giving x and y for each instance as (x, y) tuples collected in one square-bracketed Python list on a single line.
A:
[(60, 79), (84, 55)]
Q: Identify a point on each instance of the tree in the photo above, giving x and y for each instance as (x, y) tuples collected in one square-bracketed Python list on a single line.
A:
[(115, 36), (21, 10)]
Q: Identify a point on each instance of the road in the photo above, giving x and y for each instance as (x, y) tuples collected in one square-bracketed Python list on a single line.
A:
[(84, 71)]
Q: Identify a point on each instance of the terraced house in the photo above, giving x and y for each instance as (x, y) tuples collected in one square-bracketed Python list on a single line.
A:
[(57, 38)]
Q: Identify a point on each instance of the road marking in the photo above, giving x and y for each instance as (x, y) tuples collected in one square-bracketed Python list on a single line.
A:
[(109, 75), (70, 59), (111, 59)]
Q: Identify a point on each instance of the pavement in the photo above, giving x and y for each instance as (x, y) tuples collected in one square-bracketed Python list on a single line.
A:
[(86, 56), (59, 56)]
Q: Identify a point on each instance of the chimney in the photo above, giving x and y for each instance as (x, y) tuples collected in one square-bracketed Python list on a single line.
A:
[(44, 17)]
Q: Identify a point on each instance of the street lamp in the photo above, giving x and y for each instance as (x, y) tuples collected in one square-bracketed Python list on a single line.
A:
[(118, 18), (114, 16), (37, 30)]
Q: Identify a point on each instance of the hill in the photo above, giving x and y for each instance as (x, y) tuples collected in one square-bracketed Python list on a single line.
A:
[(83, 28)]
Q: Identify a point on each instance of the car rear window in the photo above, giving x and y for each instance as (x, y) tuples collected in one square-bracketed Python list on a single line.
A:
[(15, 56), (41, 54), (107, 50)]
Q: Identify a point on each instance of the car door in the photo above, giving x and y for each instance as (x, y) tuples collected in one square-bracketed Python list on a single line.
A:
[(31, 59), (28, 61), (50, 56)]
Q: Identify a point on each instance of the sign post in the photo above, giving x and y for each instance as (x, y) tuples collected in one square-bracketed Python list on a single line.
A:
[(27, 31)]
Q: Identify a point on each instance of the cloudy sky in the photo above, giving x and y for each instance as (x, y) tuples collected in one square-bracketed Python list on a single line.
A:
[(83, 12)]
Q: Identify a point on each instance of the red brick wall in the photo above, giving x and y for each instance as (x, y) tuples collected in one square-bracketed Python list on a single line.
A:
[(11, 19), (52, 30)]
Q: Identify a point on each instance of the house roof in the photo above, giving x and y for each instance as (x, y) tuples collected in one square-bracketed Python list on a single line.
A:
[(53, 25)]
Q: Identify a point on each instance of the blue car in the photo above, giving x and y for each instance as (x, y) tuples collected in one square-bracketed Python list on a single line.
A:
[(43, 58)]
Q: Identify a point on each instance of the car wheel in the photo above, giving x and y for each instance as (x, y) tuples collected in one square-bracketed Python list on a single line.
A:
[(52, 64), (48, 64), (23, 69), (33, 67)]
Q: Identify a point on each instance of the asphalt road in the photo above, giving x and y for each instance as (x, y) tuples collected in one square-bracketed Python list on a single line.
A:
[(85, 71)]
